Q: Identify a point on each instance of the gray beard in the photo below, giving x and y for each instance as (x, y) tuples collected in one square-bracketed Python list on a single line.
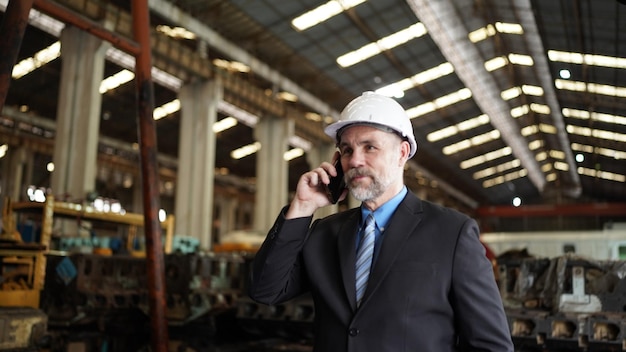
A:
[(375, 190)]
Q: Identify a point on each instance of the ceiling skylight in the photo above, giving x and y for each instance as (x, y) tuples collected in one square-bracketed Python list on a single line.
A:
[(40, 58), (441, 102), (389, 42), (587, 59), (490, 30), (397, 89), (323, 13)]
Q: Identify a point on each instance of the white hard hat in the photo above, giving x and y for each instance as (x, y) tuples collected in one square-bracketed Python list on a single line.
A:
[(377, 110)]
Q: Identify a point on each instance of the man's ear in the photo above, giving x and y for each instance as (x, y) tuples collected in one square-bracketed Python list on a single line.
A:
[(405, 150)]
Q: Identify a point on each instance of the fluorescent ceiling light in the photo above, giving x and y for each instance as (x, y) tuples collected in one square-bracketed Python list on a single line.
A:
[(505, 178), (166, 109), (293, 153), (590, 132), (245, 150), (116, 80), (471, 142), (441, 102), (224, 124), (389, 42), (603, 89), (595, 116), (490, 171), (231, 66), (323, 13), (397, 89), (175, 32), (496, 63), (587, 59), (519, 59), (286, 96), (609, 153), (602, 174), (491, 30), (454, 129), (481, 159), (534, 129), (40, 58)]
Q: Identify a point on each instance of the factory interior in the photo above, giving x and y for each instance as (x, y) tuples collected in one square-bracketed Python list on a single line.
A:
[(147, 146)]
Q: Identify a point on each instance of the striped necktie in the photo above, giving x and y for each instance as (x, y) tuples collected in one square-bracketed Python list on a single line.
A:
[(364, 257)]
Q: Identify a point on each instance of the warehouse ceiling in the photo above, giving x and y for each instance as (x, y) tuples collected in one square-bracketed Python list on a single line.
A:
[(508, 98)]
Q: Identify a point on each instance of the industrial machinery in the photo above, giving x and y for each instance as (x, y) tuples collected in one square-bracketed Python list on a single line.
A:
[(561, 303)]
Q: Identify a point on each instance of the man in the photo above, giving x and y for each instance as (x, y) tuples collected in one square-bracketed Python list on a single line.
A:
[(429, 286)]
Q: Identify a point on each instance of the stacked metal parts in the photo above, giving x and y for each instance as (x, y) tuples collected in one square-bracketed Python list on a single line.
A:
[(567, 303)]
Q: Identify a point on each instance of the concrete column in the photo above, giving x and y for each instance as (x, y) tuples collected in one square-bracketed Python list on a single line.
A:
[(16, 170), (196, 166), (78, 115), (78, 121), (272, 170), (228, 214), (315, 157)]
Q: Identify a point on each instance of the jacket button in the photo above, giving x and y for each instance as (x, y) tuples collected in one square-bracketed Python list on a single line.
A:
[(353, 332)]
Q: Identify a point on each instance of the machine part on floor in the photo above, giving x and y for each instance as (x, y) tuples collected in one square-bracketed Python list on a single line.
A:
[(22, 328)]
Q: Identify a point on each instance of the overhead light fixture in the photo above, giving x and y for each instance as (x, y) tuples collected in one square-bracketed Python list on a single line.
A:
[(590, 132), (439, 103), (606, 175), (293, 153), (245, 150), (520, 59), (490, 30), (455, 129), (224, 124), (498, 169), (175, 32), (166, 109), (496, 63), (477, 160), (40, 58), (587, 59), (116, 80), (323, 13), (286, 96), (505, 178), (389, 42), (607, 152), (471, 142), (603, 89), (595, 116), (398, 88), (231, 66)]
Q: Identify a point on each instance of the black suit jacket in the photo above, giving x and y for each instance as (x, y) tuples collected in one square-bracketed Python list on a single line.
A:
[(431, 288)]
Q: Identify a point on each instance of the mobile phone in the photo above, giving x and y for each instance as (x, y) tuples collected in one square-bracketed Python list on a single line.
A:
[(337, 184)]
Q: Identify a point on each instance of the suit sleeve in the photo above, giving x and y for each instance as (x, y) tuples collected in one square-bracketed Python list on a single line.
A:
[(277, 272), (481, 321)]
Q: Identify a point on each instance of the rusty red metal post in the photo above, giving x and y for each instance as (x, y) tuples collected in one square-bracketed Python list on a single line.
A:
[(150, 184), (12, 30), (96, 29)]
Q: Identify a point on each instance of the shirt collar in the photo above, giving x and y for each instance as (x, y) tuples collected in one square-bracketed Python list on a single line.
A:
[(385, 211)]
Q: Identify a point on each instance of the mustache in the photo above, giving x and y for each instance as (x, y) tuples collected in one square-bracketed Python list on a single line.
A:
[(358, 172)]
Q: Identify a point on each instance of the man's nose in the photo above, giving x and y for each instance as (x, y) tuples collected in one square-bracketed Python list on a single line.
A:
[(356, 159)]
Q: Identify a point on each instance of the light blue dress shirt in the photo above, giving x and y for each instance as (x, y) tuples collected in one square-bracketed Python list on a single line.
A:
[(382, 216)]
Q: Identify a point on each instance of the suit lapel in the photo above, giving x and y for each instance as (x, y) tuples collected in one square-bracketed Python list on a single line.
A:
[(401, 226), (346, 243)]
